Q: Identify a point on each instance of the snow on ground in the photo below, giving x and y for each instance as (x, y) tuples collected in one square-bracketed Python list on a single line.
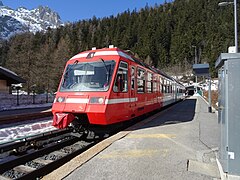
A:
[(24, 130), (19, 131), (204, 85), (214, 85)]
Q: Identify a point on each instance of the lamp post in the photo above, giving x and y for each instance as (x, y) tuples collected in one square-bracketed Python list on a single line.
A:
[(195, 52), (235, 20), (17, 87), (209, 95), (33, 92)]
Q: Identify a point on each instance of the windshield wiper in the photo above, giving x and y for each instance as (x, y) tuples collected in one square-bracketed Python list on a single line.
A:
[(70, 68), (67, 70)]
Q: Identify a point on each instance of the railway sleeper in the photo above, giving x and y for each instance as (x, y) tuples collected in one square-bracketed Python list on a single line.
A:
[(58, 153), (42, 161), (24, 169), (4, 178)]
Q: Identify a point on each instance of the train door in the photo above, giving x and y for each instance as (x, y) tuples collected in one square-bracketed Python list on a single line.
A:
[(121, 100), (133, 98)]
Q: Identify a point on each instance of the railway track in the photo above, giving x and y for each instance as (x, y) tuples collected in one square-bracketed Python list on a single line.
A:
[(34, 157)]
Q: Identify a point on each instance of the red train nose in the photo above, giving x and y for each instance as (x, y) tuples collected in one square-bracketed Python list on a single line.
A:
[(62, 120)]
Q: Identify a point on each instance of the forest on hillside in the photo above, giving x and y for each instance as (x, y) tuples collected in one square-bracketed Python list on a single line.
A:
[(165, 36)]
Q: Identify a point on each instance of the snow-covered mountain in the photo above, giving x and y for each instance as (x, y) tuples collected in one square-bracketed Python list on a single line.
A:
[(22, 20)]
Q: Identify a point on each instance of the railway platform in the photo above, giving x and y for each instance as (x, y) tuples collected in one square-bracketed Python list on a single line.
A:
[(180, 142), (23, 112)]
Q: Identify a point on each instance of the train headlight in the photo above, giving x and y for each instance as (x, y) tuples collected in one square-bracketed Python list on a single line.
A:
[(60, 99), (96, 100)]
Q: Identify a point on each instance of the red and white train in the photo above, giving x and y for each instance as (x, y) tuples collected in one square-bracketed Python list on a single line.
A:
[(108, 86)]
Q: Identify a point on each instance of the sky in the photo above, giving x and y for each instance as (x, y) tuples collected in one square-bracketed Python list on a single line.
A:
[(75, 10)]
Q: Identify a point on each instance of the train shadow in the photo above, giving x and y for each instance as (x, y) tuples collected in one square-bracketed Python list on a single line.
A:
[(181, 112)]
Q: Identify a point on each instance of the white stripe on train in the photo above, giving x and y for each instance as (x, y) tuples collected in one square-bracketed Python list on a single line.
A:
[(104, 53), (115, 101), (107, 101)]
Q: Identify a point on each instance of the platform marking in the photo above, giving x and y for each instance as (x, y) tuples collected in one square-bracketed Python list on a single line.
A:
[(170, 137), (151, 136), (133, 153)]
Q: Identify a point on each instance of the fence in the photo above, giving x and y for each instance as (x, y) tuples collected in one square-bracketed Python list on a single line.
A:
[(9, 100)]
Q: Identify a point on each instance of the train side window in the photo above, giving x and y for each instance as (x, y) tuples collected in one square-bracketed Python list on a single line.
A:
[(168, 89), (173, 88), (133, 78), (149, 82), (155, 82), (161, 84), (165, 86), (170, 86), (140, 80), (121, 80)]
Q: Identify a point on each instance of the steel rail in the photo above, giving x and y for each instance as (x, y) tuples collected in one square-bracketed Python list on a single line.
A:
[(9, 164), (55, 164)]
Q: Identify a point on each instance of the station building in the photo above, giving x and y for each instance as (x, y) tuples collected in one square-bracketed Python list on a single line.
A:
[(7, 79)]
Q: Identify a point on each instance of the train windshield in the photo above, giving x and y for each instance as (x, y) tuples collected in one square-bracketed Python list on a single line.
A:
[(88, 76)]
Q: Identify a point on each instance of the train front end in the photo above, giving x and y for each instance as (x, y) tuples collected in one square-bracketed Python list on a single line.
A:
[(83, 90)]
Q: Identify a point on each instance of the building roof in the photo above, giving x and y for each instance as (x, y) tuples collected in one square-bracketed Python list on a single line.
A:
[(226, 56), (11, 77)]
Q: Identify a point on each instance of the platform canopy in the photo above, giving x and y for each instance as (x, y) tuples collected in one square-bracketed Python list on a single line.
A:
[(201, 69)]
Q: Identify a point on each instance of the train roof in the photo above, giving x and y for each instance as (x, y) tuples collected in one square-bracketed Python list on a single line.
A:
[(114, 51)]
